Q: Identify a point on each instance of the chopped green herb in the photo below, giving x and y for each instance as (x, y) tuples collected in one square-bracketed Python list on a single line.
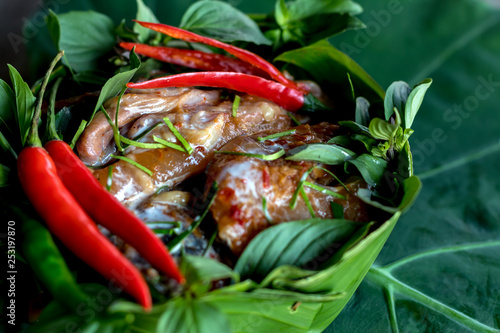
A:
[(162, 231), (324, 190), (116, 132), (142, 144), (264, 157), (236, 104), (210, 241), (79, 132), (174, 224), (140, 136), (293, 118), (293, 202), (168, 144), (134, 163), (276, 135), (266, 212), (178, 135), (109, 181), (308, 203)]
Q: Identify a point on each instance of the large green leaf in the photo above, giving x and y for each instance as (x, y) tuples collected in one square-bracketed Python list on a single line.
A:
[(439, 270)]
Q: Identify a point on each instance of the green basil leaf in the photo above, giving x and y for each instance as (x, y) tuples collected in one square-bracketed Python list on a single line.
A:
[(396, 97), (411, 187), (203, 269), (362, 116), (329, 66), (144, 13), (281, 12), (372, 168), (192, 316), (292, 243), (217, 19), (114, 85), (320, 152), (25, 103), (353, 126), (301, 9), (414, 101), (84, 37), (383, 130)]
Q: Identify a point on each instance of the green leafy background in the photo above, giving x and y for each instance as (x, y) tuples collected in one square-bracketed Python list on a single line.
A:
[(440, 269)]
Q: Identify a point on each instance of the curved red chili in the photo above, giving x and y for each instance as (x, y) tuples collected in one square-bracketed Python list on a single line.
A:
[(195, 59), (242, 54), (69, 223), (291, 99), (106, 210)]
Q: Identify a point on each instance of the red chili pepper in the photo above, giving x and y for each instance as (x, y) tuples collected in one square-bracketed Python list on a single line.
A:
[(291, 99), (242, 54), (68, 221), (195, 59), (106, 210)]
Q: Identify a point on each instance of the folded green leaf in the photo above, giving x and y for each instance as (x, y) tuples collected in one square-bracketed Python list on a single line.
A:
[(220, 20), (320, 152), (414, 101), (362, 115), (383, 130), (396, 97), (372, 168), (205, 270), (83, 35), (292, 243)]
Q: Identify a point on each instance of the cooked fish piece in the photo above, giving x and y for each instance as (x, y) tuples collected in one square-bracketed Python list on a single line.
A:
[(244, 182), (203, 117)]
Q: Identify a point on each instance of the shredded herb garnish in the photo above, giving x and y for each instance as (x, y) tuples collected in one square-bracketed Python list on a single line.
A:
[(178, 135), (134, 163), (116, 132), (293, 202), (210, 241), (308, 203), (264, 157), (196, 223), (140, 136), (236, 105), (175, 224), (109, 181), (78, 133), (168, 144), (266, 212), (293, 118), (324, 190), (141, 144), (276, 135), (118, 104)]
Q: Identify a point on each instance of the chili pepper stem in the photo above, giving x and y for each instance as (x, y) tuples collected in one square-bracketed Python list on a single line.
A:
[(33, 138), (52, 113)]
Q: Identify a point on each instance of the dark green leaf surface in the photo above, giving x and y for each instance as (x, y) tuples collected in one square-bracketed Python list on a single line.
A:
[(145, 14), (440, 268), (84, 36), (25, 103), (220, 20), (322, 153), (371, 168)]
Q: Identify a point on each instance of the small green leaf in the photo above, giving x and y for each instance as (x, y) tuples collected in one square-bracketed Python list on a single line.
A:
[(353, 126), (320, 152), (25, 103), (114, 85), (414, 101), (220, 20), (83, 43), (372, 168), (291, 243), (281, 12), (362, 116), (396, 97), (383, 130), (144, 13)]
